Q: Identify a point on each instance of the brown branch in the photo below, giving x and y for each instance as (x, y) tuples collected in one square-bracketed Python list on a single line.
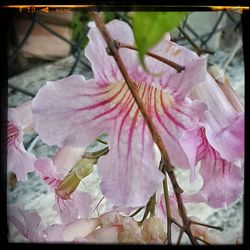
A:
[(170, 63), (113, 51), (202, 240), (179, 237), (198, 50), (167, 204), (148, 209), (153, 202), (206, 225)]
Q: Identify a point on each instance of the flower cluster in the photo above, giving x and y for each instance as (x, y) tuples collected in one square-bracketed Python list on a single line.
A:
[(198, 120)]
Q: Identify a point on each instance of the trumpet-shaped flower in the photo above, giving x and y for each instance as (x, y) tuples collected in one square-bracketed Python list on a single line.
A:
[(70, 203), (19, 161), (224, 126), (74, 111), (222, 180)]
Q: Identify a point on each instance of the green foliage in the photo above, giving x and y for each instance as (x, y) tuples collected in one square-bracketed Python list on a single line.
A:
[(149, 27)]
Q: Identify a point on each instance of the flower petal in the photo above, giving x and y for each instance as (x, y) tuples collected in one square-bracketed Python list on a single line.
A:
[(222, 180), (26, 221), (78, 205), (66, 210), (104, 234), (66, 111), (66, 157), (177, 84), (19, 160), (47, 171), (53, 233), (82, 201), (97, 54), (128, 172), (25, 116), (79, 229), (224, 126), (172, 119)]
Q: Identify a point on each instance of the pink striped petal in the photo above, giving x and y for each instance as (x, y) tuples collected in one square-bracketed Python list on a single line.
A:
[(47, 171), (68, 210), (173, 118), (224, 126), (72, 111), (222, 180), (19, 160), (129, 173)]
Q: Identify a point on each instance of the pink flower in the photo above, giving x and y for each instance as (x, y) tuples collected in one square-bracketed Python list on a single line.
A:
[(19, 161), (224, 126), (70, 204), (74, 111), (222, 180), (28, 223), (218, 145)]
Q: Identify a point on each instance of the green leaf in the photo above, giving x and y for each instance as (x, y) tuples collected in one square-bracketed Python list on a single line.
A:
[(149, 27)]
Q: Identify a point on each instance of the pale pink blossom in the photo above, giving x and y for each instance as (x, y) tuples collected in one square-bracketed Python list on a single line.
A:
[(28, 223), (71, 203), (224, 126), (222, 180), (74, 111), (20, 121)]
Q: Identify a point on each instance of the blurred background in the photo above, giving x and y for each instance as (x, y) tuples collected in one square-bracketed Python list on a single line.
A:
[(46, 46)]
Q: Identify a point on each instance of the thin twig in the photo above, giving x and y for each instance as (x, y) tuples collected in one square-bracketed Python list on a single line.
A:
[(179, 237), (177, 223), (202, 240), (112, 50), (167, 204), (136, 212), (170, 63), (153, 202), (198, 50), (99, 202), (206, 225), (148, 209)]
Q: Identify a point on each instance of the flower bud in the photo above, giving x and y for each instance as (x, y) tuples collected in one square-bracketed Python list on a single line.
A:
[(223, 82), (69, 184), (153, 230)]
